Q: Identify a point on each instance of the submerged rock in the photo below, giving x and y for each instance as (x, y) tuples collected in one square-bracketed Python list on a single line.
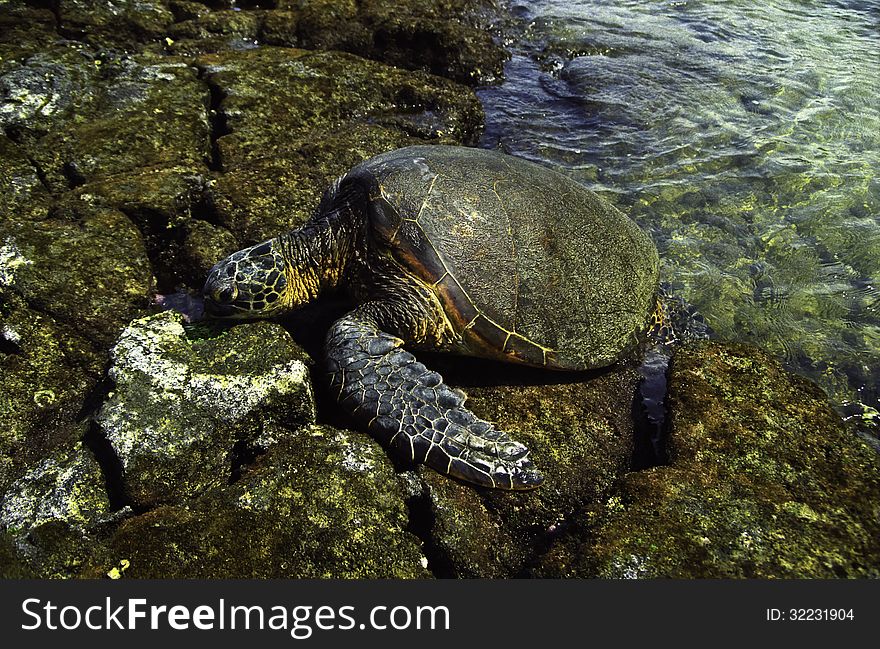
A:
[(764, 481), (180, 407)]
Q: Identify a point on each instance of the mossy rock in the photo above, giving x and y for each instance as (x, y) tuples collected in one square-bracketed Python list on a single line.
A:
[(146, 112), (203, 245), (48, 372), (183, 408), (764, 480), (445, 38), (167, 205), (276, 99), (44, 89), (47, 514), (320, 503), (268, 196), (21, 192), (224, 24), (88, 270), (114, 23), (25, 26), (12, 566), (579, 430)]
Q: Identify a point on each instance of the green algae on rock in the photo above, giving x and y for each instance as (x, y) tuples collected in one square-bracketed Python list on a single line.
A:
[(320, 503), (438, 37), (274, 98), (326, 112), (274, 194), (444, 38), (67, 486), (203, 244), (41, 88), (47, 513), (21, 192), (88, 270), (114, 23), (164, 204), (580, 432), (48, 370), (149, 112), (180, 406), (764, 481)]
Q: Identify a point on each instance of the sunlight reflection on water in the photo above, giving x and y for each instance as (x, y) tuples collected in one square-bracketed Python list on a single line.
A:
[(745, 137)]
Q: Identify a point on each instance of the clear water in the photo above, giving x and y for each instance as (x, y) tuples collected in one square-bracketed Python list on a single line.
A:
[(745, 136)]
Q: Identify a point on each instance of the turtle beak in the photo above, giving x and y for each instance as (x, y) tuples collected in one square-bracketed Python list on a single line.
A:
[(218, 310)]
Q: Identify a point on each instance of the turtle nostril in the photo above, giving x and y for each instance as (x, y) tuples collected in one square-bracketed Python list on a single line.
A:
[(225, 295)]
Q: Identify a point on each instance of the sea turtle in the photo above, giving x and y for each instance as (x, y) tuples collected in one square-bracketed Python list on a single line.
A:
[(459, 250)]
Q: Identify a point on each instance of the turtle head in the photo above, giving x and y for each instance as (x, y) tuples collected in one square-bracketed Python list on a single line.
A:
[(251, 283)]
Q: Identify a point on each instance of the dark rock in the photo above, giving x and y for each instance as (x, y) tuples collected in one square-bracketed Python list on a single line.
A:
[(89, 271), (114, 23), (186, 10), (444, 38), (580, 432), (46, 512), (12, 566), (319, 503), (25, 25), (22, 194), (44, 90), (276, 99), (163, 204), (764, 481), (146, 113), (48, 370), (274, 194)]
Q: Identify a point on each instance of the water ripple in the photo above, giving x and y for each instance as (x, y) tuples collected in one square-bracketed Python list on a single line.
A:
[(744, 136)]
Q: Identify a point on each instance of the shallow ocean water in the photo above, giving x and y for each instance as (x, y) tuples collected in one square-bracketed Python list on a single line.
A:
[(745, 137)]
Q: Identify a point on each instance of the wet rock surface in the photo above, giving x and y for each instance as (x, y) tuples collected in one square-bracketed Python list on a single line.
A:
[(143, 141), (764, 481)]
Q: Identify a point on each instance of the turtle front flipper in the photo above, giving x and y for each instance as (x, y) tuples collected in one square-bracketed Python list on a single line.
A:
[(409, 408)]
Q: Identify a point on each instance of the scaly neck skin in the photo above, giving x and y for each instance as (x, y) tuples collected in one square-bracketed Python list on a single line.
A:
[(317, 254)]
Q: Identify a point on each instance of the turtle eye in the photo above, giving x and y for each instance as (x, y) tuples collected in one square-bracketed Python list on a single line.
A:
[(226, 294)]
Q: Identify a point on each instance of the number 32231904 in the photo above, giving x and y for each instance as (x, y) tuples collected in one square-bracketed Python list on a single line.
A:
[(810, 615)]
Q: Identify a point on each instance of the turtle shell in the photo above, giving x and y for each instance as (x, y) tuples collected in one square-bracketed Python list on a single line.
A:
[(529, 265)]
